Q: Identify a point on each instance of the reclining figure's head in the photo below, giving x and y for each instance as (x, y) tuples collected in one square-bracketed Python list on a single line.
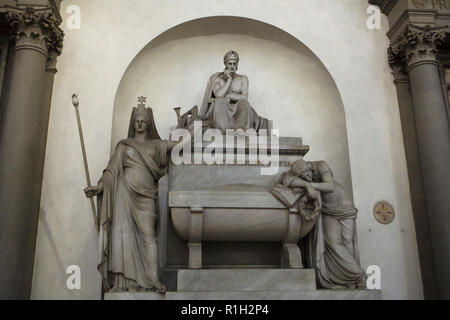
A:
[(303, 169)]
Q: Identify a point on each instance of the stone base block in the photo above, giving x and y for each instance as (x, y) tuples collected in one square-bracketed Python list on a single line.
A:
[(251, 295), (231, 280), (134, 296), (278, 295), (247, 284)]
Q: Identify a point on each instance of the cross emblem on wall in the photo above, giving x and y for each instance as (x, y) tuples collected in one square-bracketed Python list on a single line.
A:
[(383, 212)]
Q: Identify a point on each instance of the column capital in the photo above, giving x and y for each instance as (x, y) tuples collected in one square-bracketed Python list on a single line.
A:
[(51, 61), (418, 45), (398, 68), (36, 29)]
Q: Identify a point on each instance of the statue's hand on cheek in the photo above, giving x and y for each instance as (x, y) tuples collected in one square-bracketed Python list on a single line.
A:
[(227, 75)]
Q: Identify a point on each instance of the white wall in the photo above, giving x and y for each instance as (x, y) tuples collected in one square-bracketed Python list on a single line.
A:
[(113, 32)]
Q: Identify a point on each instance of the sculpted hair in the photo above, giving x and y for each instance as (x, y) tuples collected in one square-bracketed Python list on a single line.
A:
[(231, 55), (299, 167)]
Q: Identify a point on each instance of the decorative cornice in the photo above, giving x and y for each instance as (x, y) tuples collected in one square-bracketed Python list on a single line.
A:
[(36, 29), (418, 45), (406, 17), (386, 6)]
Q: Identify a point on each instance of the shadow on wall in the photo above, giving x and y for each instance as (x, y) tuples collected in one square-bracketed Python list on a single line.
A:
[(288, 83)]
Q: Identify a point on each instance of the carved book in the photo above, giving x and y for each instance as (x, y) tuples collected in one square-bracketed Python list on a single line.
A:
[(287, 196)]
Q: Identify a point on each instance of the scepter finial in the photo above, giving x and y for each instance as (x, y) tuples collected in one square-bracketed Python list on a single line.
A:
[(75, 101)]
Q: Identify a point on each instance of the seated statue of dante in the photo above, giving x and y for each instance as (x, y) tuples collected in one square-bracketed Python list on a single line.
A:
[(225, 101)]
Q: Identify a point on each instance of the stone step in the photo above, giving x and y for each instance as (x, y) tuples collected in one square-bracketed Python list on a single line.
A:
[(251, 295), (278, 295), (220, 280)]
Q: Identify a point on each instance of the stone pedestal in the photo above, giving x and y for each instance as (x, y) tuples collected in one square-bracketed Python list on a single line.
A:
[(248, 284), (186, 180)]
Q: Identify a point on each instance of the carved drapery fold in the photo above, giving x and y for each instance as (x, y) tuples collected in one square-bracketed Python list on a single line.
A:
[(37, 29), (418, 45)]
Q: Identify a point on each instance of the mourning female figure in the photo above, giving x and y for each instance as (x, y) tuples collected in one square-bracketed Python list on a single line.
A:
[(332, 245), (126, 193)]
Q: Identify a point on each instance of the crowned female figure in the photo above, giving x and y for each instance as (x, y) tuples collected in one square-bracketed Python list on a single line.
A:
[(126, 195)]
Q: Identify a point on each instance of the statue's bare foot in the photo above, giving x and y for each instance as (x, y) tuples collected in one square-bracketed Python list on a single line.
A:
[(159, 286), (361, 284), (115, 287)]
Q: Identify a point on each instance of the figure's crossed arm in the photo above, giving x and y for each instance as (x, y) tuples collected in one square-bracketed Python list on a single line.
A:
[(221, 87), (326, 184)]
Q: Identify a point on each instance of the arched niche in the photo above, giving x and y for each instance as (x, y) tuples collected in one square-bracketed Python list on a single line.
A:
[(288, 83)]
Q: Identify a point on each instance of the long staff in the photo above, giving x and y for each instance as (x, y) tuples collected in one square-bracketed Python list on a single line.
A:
[(83, 149)]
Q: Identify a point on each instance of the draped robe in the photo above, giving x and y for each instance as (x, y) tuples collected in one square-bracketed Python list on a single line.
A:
[(127, 212), (333, 243), (229, 115)]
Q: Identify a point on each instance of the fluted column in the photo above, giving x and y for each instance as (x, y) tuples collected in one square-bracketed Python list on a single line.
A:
[(418, 48), (24, 121)]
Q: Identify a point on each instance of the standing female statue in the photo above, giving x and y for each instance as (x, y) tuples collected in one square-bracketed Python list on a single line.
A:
[(126, 194)]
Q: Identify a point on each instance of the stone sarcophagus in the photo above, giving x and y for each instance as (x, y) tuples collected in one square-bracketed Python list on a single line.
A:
[(236, 213), (234, 204)]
